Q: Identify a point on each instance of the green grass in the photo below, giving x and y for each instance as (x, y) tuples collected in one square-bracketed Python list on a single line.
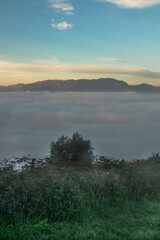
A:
[(129, 220), (105, 202)]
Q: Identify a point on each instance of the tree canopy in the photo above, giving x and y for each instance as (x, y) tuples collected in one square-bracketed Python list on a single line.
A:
[(75, 149)]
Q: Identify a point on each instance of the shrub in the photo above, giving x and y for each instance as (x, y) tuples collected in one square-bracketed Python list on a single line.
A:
[(73, 150), (107, 163)]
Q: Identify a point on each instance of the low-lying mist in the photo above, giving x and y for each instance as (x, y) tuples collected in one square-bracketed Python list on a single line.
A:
[(121, 125)]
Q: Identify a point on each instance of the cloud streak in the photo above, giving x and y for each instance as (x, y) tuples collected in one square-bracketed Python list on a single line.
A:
[(107, 59), (133, 3), (53, 66)]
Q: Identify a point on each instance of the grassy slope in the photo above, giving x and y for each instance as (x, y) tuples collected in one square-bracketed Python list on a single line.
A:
[(99, 204), (129, 221)]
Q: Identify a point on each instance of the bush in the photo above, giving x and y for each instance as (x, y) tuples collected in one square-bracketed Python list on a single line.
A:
[(107, 163), (73, 150)]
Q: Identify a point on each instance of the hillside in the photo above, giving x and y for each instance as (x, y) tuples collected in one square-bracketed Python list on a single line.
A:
[(82, 85), (109, 200)]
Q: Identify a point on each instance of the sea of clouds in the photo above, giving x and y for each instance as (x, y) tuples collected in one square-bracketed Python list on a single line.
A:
[(121, 125)]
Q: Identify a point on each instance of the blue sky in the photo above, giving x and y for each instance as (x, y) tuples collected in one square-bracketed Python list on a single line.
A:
[(62, 39)]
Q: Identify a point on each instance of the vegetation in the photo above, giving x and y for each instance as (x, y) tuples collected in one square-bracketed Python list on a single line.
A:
[(71, 150), (110, 200)]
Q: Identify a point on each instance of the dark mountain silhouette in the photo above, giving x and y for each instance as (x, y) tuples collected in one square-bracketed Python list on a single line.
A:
[(145, 88), (82, 85)]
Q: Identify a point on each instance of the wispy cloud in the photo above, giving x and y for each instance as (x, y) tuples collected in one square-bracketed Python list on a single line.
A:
[(133, 3), (62, 5), (52, 66), (107, 59), (101, 69), (61, 25), (69, 13)]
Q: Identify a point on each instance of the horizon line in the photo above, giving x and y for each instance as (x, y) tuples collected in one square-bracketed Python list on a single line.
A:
[(78, 79)]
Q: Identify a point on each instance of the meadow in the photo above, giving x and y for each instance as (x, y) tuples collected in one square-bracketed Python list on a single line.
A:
[(106, 200)]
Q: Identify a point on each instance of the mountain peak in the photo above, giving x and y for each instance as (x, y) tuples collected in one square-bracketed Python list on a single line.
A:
[(81, 85)]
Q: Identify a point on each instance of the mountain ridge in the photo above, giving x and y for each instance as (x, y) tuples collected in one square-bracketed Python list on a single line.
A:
[(81, 85)]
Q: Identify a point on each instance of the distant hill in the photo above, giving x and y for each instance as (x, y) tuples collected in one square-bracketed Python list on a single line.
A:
[(82, 85)]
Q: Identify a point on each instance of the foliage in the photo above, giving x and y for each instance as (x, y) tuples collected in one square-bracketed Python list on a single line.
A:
[(111, 200), (57, 193), (72, 150), (104, 162)]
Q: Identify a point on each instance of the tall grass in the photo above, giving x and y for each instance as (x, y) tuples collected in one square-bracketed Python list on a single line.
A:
[(47, 201)]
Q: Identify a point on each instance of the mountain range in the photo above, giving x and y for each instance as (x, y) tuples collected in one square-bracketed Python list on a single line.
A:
[(82, 85)]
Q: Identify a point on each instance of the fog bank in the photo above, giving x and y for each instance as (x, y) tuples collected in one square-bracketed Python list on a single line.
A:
[(122, 125)]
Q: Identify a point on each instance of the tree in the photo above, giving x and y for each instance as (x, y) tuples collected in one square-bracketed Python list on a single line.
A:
[(74, 150)]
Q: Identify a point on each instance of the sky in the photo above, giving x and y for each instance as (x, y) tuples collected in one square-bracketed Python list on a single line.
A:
[(73, 39)]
